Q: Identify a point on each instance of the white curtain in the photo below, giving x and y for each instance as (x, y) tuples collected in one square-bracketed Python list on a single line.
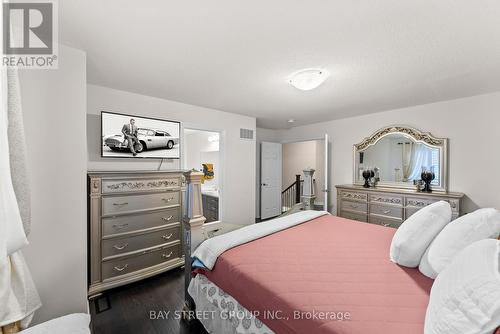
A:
[(408, 160), (12, 235), (421, 157), (18, 296)]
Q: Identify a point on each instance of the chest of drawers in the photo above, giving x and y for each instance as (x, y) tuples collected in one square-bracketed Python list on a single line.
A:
[(388, 207), (134, 226)]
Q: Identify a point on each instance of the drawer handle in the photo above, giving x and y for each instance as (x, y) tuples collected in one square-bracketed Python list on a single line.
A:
[(354, 206), (167, 199), (166, 256), (122, 247), (386, 224), (120, 226), (166, 219), (120, 204), (387, 211), (166, 237), (121, 268)]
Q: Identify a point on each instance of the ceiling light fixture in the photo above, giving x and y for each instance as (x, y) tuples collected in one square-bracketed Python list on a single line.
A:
[(291, 120), (308, 79)]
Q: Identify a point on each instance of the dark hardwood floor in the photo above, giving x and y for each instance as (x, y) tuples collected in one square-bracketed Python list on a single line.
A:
[(130, 307)]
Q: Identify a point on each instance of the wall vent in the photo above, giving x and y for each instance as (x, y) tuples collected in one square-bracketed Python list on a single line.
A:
[(246, 134)]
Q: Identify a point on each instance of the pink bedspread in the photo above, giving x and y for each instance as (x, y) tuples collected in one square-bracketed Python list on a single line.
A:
[(329, 267)]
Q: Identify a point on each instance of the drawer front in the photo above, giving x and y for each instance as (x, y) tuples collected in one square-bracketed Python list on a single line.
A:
[(118, 246), (383, 221), (114, 268), (419, 202), (354, 216), (353, 196), (122, 204), (386, 210), (211, 200), (354, 206), (125, 185), (411, 211), (387, 199), (211, 216), (455, 206), (131, 223), (210, 208), (213, 204), (415, 204)]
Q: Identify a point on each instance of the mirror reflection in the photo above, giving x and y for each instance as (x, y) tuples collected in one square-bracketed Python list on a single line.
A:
[(399, 159)]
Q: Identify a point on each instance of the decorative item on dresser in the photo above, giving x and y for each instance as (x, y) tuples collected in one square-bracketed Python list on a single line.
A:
[(134, 226), (388, 206)]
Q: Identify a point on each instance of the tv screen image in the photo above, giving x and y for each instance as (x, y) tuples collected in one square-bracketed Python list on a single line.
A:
[(129, 136)]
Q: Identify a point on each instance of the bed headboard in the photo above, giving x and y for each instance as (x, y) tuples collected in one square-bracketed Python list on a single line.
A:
[(194, 219)]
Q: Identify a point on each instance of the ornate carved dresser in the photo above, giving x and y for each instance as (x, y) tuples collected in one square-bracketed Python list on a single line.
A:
[(134, 226), (388, 207), (397, 158)]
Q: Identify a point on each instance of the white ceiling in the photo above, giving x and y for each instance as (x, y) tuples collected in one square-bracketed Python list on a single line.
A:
[(235, 55)]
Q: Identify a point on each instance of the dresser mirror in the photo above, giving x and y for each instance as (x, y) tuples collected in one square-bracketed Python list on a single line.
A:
[(399, 155)]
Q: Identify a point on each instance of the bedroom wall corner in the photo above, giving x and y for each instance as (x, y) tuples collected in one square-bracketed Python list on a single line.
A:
[(54, 107)]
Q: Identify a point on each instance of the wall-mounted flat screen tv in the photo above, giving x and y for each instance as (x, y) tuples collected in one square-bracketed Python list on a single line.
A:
[(129, 136)]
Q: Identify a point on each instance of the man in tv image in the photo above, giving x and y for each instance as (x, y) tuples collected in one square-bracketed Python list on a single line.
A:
[(130, 134)]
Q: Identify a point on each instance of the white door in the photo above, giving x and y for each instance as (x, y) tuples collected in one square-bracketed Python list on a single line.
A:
[(270, 179)]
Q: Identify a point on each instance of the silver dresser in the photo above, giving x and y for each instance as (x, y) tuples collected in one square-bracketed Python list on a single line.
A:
[(134, 226), (386, 206)]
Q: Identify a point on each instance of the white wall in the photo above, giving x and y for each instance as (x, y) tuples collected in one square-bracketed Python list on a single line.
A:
[(198, 149), (471, 124), (54, 106), (296, 157), (238, 156)]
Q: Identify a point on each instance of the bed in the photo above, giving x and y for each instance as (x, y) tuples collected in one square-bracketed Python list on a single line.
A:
[(321, 275)]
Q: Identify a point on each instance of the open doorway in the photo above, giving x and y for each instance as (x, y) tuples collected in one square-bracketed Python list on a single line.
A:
[(202, 152), (298, 156), (282, 168)]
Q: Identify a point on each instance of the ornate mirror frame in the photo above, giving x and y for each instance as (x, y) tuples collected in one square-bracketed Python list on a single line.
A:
[(419, 137)]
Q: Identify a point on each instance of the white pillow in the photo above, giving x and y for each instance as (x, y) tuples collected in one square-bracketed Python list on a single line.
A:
[(465, 297), (424, 266), (416, 233), (478, 225)]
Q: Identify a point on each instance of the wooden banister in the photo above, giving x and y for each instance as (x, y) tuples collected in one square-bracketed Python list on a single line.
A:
[(297, 188)]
